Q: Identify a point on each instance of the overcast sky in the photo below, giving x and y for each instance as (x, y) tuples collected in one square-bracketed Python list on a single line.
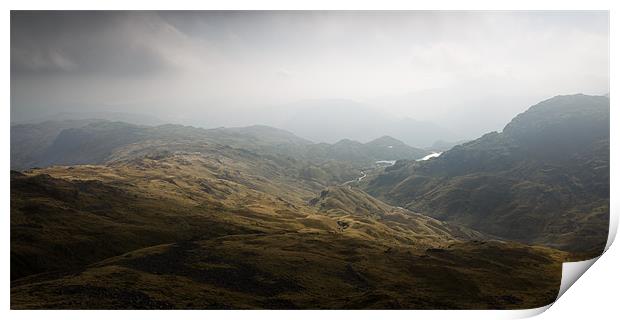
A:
[(470, 72)]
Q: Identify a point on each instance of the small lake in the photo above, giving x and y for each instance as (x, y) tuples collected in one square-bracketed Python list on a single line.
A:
[(429, 156)]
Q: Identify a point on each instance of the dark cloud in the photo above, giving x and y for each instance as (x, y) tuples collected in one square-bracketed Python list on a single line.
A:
[(116, 43)]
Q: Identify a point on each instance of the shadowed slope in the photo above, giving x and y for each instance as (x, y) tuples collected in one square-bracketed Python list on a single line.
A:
[(544, 179)]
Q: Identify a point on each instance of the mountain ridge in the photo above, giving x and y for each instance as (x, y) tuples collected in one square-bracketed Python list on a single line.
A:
[(527, 183), (95, 141)]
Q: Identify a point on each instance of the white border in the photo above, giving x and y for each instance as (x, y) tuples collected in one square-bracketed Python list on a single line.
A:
[(587, 299)]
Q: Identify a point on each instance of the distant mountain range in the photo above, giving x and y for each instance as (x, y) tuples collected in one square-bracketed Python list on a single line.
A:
[(333, 120), (136, 118), (73, 142), (320, 120)]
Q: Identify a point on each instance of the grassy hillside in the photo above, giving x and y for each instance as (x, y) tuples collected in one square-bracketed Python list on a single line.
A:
[(299, 271), (222, 230)]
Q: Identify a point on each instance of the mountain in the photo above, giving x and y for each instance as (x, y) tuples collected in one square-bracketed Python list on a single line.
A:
[(94, 142), (125, 216), (29, 141), (388, 148), (214, 227), (544, 179), (363, 154), (441, 145), (263, 134)]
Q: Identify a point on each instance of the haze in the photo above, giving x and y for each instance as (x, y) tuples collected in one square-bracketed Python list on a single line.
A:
[(322, 75)]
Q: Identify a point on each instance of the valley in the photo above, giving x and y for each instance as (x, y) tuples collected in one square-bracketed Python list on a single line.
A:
[(111, 215)]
